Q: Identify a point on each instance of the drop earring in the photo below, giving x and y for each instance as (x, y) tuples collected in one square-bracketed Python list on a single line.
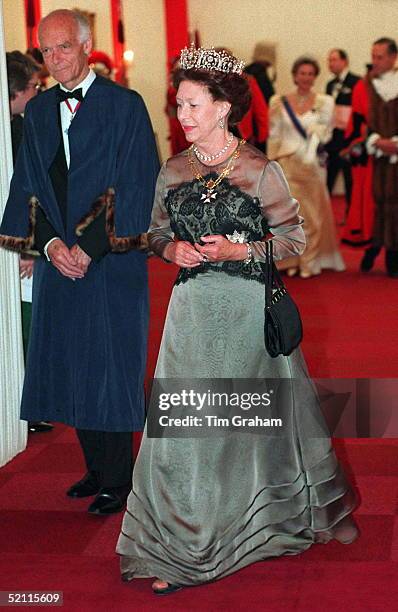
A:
[(221, 122)]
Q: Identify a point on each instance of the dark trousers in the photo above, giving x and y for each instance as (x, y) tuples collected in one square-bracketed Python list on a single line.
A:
[(392, 261), (335, 165), (391, 258), (110, 454)]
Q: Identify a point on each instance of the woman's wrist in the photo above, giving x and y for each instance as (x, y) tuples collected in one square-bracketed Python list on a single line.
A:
[(243, 252), (249, 255), (168, 252)]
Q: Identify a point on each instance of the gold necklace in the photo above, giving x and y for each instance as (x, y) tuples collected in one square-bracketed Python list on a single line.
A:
[(211, 184)]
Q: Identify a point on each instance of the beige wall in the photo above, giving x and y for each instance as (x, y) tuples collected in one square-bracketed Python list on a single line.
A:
[(144, 33), (297, 26), (14, 28)]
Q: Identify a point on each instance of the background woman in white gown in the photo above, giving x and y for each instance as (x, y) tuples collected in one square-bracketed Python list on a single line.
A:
[(299, 124)]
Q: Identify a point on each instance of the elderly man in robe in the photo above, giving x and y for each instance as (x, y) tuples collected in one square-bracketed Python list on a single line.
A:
[(81, 195)]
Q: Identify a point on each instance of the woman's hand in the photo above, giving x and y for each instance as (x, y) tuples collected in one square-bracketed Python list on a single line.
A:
[(218, 248), (26, 268), (183, 254)]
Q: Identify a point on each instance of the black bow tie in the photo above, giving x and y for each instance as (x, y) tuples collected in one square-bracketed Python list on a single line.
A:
[(65, 95)]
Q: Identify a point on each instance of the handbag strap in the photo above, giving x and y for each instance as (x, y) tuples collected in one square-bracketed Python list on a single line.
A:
[(293, 117), (271, 273)]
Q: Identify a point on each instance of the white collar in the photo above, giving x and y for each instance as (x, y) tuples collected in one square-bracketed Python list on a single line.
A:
[(386, 85), (343, 75), (386, 76), (84, 84)]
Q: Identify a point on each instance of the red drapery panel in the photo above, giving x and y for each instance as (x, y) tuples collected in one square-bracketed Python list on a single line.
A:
[(118, 40), (32, 18), (177, 37)]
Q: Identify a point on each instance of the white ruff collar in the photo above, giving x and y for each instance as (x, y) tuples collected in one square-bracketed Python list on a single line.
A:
[(387, 85)]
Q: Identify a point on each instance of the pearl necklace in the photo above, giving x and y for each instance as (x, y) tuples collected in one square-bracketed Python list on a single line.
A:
[(208, 158), (211, 184)]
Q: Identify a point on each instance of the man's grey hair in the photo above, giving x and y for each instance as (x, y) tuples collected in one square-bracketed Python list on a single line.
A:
[(84, 31), (84, 26)]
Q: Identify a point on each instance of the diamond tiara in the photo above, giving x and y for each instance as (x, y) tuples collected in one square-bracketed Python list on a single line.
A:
[(210, 59)]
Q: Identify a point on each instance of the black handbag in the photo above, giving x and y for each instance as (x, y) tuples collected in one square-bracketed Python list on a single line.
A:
[(283, 329)]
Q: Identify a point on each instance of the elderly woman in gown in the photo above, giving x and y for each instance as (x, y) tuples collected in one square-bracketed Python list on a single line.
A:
[(300, 123), (202, 508)]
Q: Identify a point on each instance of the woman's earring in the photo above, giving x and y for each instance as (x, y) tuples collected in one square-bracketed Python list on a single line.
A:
[(221, 122)]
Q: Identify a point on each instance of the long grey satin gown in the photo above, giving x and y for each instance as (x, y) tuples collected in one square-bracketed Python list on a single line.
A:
[(202, 508)]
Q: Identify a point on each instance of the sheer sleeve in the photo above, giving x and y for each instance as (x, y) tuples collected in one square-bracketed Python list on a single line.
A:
[(281, 212), (160, 233)]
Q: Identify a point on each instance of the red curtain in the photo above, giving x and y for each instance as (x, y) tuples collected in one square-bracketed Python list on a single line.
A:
[(177, 36), (32, 18), (118, 40)]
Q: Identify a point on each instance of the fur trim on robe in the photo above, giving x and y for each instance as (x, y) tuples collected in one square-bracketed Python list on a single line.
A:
[(21, 244), (117, 244)]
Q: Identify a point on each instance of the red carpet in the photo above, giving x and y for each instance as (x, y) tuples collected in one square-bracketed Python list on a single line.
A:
[(48, 542)]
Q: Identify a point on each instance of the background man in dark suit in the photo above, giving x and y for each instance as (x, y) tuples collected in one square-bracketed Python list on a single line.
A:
[(341, 89), (82, 194), (23, 85)]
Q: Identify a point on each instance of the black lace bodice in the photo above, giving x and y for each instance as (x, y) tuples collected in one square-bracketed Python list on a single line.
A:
[(232, 209)]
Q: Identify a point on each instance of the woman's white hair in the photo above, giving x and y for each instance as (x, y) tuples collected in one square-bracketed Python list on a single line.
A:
[(82, 24)]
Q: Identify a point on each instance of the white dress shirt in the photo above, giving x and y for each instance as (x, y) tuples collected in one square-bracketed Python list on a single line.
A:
[(337, 87), (66, 119), (66, 115)]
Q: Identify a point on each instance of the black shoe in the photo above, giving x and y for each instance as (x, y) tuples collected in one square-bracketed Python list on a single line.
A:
[(39, 426), (88, 485), (392, 263), (369, 258), (109, 500), (171, 588)]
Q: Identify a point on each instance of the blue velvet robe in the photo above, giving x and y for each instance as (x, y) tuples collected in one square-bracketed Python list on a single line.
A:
[(87, 352)]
